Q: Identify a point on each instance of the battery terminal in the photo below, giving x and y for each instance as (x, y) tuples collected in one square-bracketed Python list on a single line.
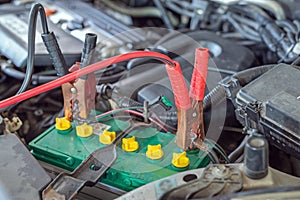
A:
[(107, 137), (154, 152), (130, 144)]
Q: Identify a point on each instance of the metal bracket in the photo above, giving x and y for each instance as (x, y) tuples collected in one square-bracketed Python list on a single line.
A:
[(215, 180), (66, 186)]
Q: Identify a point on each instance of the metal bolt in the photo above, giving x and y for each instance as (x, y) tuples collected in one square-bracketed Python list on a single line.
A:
[(194, 114), (38, 112), (199, 11), (221, 171), (221, 168), (73, 90)]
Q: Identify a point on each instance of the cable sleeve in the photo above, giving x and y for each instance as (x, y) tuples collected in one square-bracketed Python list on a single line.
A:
[(88, 51), (198, 82), (56, 55), (181, 94)]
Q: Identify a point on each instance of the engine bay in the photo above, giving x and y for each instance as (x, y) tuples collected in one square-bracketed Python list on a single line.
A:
[(162, 99)]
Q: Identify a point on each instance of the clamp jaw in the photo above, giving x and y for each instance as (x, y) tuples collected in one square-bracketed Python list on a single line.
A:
[(190, 126), (190, 129), (79, 95)]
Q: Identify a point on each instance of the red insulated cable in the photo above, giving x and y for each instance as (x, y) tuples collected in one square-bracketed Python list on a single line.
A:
[(198, 82), (180, 90), (81, 72)]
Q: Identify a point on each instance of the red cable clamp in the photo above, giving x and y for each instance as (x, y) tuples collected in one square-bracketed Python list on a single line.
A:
[(179, 87), (198, 82)]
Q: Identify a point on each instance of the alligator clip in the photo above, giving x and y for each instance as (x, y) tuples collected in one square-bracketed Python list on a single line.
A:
[(190, 127), (79, 96)]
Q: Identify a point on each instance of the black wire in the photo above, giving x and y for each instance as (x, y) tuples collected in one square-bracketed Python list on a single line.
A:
[(184, 4), (164, 14), (213, 157), (287, 24), (297, 24), (102, 79), (245, 21), (31, 45), (43, 18), (238, 27), (168, 127), (179, 10), (10, 91), (296, 62), (219, 149), (36, 8), (36, 79), (234, 155), (292, 37), (240, 159), (251, 11)]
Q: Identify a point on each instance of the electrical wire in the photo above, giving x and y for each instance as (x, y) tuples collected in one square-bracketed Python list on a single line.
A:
[(233, 156), (297, 24), (7, 92), (249, 30), (134, 12), (125, 102), (240, 159), (245, 21), (208, 150), (287, 24), (179, 10), (102, 78), (223, 71), (89, 69), (115, 111), (218, 148), (164, 14), (150, 118), (270, 5), (131, 110), (184, 4), (213, 156), (173, 130), (238, 27), (36, 8), (9, 70)]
